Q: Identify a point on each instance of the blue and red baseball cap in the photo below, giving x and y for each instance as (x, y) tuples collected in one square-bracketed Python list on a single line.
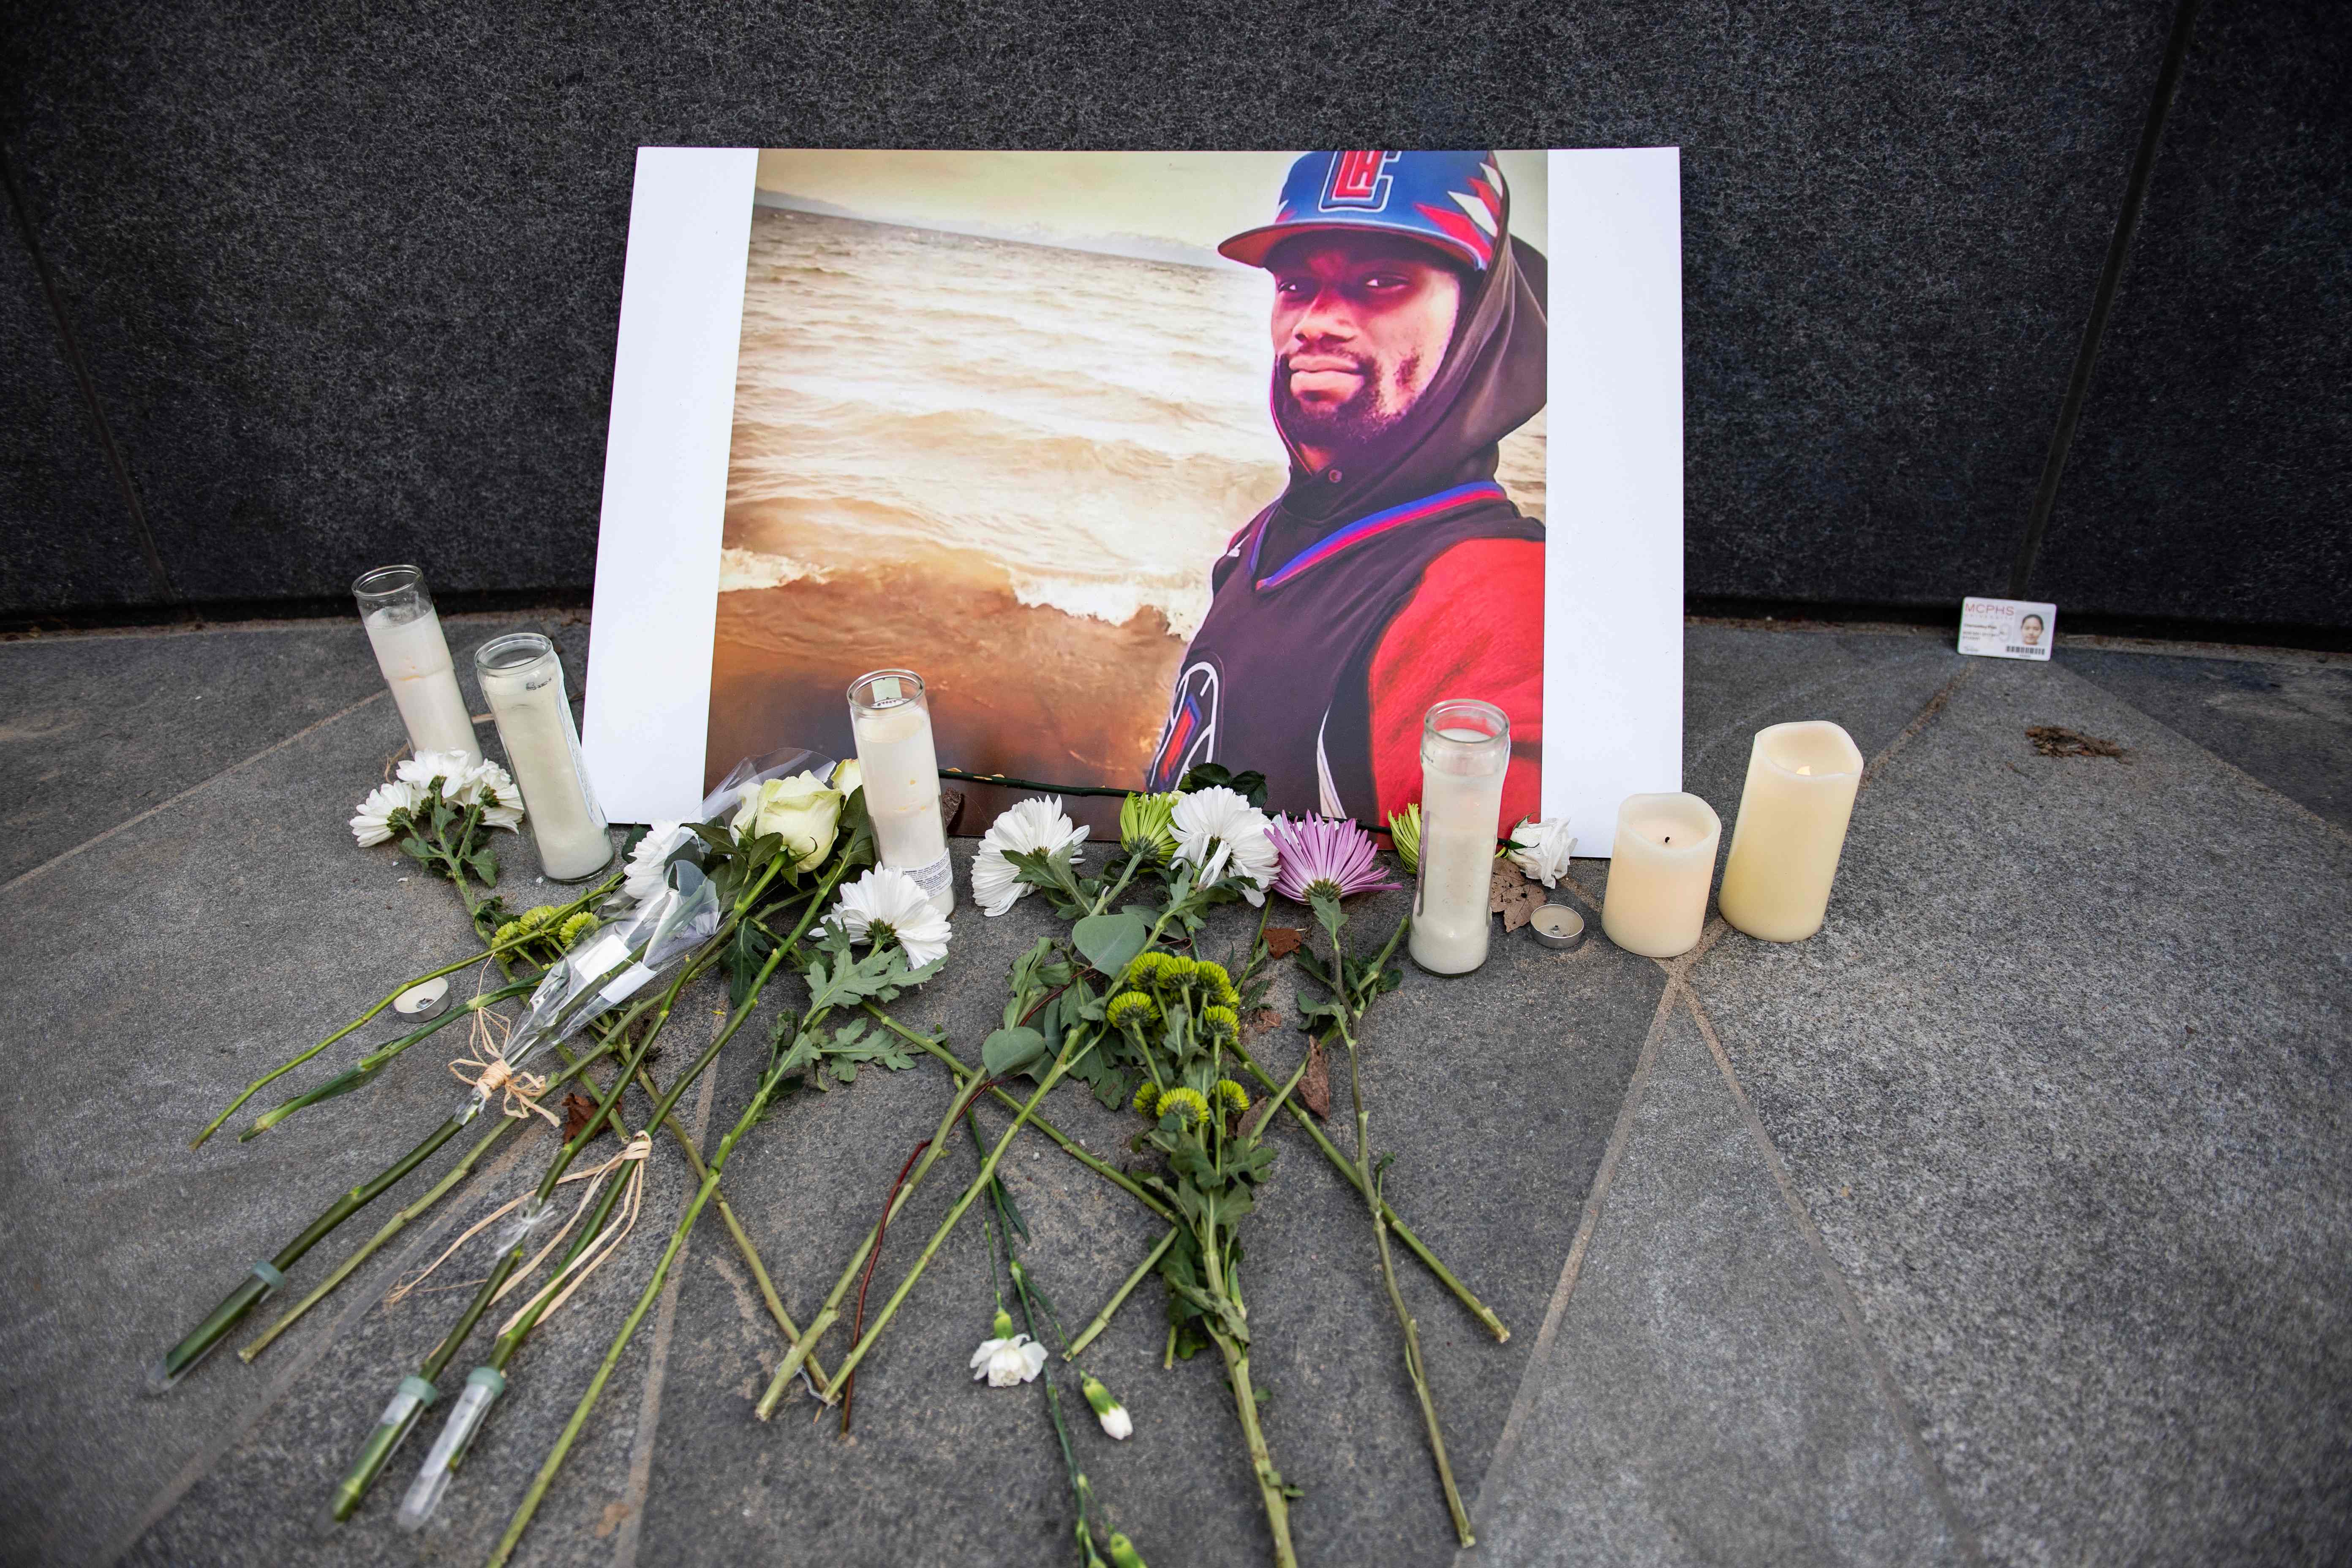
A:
[(1451, 201)]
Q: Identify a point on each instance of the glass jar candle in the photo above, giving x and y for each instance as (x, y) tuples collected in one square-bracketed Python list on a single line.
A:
[(522, 681), (1465, 749), (898, 767), (405, 633)]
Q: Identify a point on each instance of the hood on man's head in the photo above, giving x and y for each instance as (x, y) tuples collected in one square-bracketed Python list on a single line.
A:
[(1493, 380)]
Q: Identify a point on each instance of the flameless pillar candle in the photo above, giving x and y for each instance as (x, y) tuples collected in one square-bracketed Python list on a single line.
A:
[(1659, 869), (898, 767), (405, 633), (1801, 779), (523, 682), (1465, 748)]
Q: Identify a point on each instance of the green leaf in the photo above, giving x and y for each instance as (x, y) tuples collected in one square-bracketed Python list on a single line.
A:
[(1111, 941), (1008, 1051)]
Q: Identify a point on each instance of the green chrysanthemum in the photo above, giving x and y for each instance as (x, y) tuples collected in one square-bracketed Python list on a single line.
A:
[(507, 931), (1217, 985), (578, 926), (532, 919), (1189, 1103), (1232, 1096), (1222, 1021), (1130, 1009), (1146, 968), (1147, 824), (1404, 832), (1175, 969), (1147, 1099)]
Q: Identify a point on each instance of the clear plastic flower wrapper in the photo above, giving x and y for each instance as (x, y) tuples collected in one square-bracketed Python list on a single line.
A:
[(483, 1385), (605, 971)]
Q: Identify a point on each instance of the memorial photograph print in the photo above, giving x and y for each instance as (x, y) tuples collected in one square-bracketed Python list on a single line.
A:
[(1144, 459)]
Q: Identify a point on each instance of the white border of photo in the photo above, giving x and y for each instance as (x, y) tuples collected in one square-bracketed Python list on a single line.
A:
[(1613, 554)]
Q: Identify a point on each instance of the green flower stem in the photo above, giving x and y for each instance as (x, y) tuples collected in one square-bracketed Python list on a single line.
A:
[(1404, 1233), (400, 1221), (387, 1436), (1118, 1296), (512, 1341), (829, 1311), (258, 1085), (1062, 1064), (368, 1066), (1270, 1485), (1413, 1362), (1125, 877), (554, 1460), (1076, 1150), (750, 1253)]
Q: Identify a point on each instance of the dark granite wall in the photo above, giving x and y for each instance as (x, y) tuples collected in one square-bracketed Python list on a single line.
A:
[(346, 278)]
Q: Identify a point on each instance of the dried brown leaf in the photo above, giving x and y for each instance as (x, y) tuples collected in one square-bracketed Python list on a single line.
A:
[(577, 1111), (1260, 1021), (1314, 1089), (2057, 740), (1281, 942), (1512, 896)]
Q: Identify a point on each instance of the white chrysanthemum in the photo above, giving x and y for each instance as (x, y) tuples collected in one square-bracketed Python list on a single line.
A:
[(464, 778), (373, 825), (1038, 824), (1219, 831), (1542, 849), (1007, 1363), (888, 902), (650, 859)]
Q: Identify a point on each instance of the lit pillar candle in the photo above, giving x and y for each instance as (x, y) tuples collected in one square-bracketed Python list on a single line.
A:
[(1659, 867), (899, 768), (522, 681), (405, 632), (1801, 779), (1465, 748)]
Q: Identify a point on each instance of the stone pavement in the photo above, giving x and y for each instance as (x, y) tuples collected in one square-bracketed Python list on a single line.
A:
[(2005, 1221)]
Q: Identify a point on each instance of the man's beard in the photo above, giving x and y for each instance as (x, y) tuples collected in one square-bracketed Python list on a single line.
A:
[(1348, 430)]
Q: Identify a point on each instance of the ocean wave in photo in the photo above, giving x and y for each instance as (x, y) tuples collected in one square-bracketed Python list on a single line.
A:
[(1096, 426)]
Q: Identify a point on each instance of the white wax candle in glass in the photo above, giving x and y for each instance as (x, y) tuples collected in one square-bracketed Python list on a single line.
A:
[(1659, 869), (1801, 779), (522, 681), (898, 767), (405, 632), (1465, 749)]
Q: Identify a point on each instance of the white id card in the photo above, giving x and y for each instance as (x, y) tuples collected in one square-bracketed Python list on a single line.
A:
[(2007, 628)]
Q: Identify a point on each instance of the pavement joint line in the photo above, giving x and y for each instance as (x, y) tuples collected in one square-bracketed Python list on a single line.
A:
[(1594, 1203), (199, 787), (641, 1447), (201, 1463), (1849, 1307), (1920, 720), (1745, 722)]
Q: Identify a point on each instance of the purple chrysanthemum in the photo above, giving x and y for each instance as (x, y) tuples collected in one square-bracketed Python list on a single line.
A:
[(1326, 853)]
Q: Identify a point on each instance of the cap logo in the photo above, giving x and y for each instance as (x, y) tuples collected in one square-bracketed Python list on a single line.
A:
[(1358, 181)]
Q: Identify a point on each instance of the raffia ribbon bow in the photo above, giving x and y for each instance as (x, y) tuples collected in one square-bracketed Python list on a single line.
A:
[(632, 1158), (521, 1089)]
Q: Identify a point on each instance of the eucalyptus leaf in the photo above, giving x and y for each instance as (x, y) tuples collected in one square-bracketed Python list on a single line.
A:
[(1008, 1051), (1111, 941)]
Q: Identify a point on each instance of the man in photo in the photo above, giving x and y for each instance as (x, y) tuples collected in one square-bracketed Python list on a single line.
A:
[(1393, 570)]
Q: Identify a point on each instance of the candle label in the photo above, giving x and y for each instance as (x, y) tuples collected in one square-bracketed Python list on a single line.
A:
[(2007, 628), (932, 878)]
